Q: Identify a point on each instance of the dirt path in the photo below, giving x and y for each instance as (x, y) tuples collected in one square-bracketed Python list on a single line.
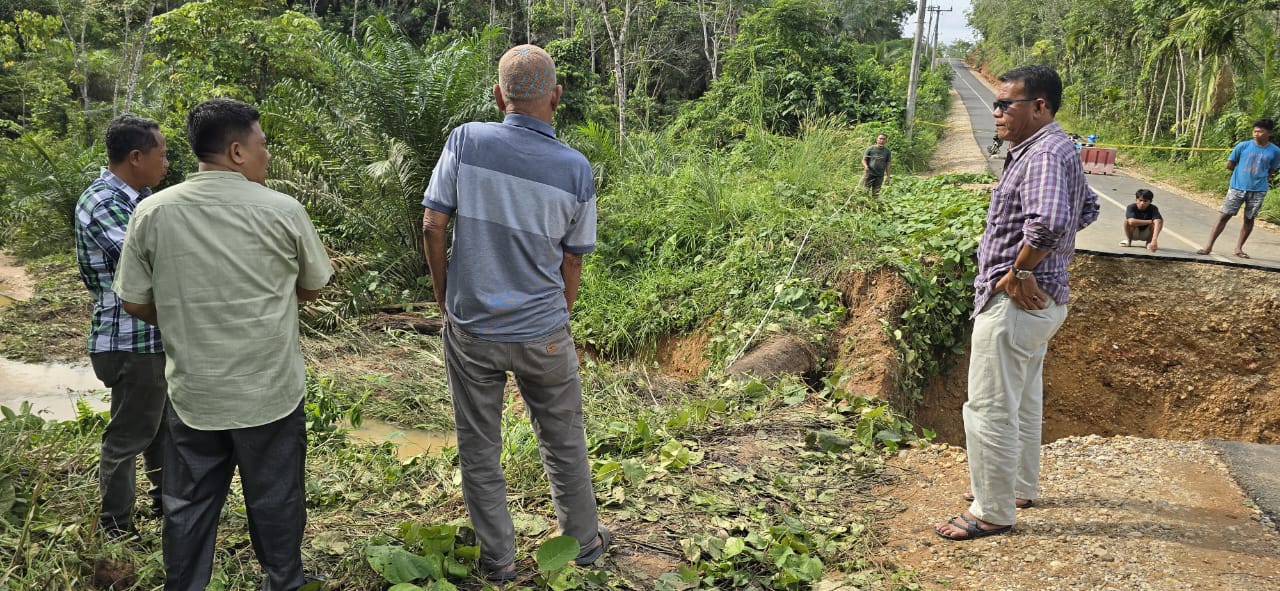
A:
[(1114, 512), (957, 151), (14, 282)]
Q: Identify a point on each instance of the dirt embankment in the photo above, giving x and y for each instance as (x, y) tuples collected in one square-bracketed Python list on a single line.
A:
[(1152, 348)]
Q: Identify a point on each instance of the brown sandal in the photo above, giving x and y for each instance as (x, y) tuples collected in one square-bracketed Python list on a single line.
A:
[(972, 530)]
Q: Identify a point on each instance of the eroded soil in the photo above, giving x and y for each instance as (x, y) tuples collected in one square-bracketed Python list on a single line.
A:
[(1152, 348)]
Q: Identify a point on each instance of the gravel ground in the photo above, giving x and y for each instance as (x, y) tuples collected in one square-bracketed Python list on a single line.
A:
[(1114, 513)]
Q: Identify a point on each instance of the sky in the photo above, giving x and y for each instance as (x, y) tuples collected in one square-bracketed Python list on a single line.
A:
[(951, 27)]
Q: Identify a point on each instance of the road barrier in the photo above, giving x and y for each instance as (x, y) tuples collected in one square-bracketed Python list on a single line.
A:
[(1098, 160)]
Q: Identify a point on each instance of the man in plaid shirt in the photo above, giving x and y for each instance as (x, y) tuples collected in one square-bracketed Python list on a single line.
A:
[(126, 353), (1020, 300)]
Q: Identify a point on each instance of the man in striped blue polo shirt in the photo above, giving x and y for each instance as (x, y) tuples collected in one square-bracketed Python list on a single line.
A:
[(524, 212), (126, 353)]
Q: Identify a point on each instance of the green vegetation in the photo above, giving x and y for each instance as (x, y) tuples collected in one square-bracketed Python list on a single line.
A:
[(1183, 73), (726, 138), (719, 484)]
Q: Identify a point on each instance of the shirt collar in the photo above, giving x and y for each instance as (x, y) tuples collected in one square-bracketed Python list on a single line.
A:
[(114, 182), (1015, 152), (531, 123)]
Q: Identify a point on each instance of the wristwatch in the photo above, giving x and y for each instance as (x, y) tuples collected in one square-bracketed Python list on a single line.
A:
[(1021, 274)]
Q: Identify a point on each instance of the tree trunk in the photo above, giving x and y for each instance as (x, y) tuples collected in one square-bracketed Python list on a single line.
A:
[(1155, 127), (1179, 121), (137, 57), (126, 47), (616, 41)]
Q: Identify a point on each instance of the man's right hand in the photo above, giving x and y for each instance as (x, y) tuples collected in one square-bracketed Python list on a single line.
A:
[(1025, 293)]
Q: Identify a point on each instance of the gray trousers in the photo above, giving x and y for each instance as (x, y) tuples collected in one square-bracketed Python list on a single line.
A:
[(138, 397), (546, 370), (197, 477)]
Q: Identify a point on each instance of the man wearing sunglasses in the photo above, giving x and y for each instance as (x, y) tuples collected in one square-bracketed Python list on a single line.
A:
[(1042, 200)]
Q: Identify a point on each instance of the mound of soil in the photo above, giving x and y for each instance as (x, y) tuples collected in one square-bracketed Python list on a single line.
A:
[(1151, 348), (861, 348)]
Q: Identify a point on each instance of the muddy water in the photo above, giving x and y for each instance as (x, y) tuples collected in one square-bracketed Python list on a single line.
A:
[(408, 442), (52, 389)]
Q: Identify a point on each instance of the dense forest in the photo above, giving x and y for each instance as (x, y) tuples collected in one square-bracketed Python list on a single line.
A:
[(1173, 73), (359, 96)]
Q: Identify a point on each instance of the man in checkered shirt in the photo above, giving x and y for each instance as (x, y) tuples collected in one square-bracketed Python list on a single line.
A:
[(126, 353)]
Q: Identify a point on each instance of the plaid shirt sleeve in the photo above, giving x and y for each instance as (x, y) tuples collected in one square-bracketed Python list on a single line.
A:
[(105, 227), (1046, 201)]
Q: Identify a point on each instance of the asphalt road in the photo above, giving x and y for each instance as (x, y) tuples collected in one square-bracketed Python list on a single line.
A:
[(1187, 222), (1256, 468)]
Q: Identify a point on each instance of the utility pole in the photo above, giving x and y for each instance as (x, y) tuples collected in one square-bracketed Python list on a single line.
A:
[(936, 16), (915, 71)]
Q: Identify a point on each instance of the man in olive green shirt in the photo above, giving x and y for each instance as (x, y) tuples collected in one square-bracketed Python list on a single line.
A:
[(219, 263), (875, 165)]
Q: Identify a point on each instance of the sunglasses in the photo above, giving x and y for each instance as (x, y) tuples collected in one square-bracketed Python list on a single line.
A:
[(1004, 104)]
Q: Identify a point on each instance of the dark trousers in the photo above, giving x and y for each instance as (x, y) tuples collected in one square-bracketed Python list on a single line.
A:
[(197, 478), (138, 397), (873, 182)]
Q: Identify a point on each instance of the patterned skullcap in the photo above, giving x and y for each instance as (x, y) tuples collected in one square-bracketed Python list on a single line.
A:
[(526, 72)]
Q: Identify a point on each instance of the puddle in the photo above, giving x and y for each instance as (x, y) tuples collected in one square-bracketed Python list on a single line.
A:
[(408, 442), (6, 301), (52, 389)]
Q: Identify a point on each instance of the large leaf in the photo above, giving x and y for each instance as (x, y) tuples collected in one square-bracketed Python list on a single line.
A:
[(398, 565), (555, 554)]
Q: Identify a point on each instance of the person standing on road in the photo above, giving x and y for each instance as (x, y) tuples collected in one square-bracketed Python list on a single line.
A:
[(1142, 221), (126, 353), (875, 165), (1253, 164), (525, 213), (1021, 298), (220, 263)]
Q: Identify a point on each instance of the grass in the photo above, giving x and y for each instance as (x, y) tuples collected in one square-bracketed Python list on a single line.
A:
[(709, 484), (675, 467)]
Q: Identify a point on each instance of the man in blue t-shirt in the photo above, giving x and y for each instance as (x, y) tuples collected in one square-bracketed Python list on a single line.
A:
[(1252, 165), (1142, 221)]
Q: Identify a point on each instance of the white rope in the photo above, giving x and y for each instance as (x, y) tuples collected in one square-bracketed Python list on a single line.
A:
[(778, 292)]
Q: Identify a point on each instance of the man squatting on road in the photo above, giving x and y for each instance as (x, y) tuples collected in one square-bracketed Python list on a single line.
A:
[(126, 353), (219, 263), (1021, 297), (525, 211), (1142, 221)]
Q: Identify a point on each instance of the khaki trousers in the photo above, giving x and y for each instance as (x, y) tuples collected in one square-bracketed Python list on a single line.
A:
[(1003, 417)]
